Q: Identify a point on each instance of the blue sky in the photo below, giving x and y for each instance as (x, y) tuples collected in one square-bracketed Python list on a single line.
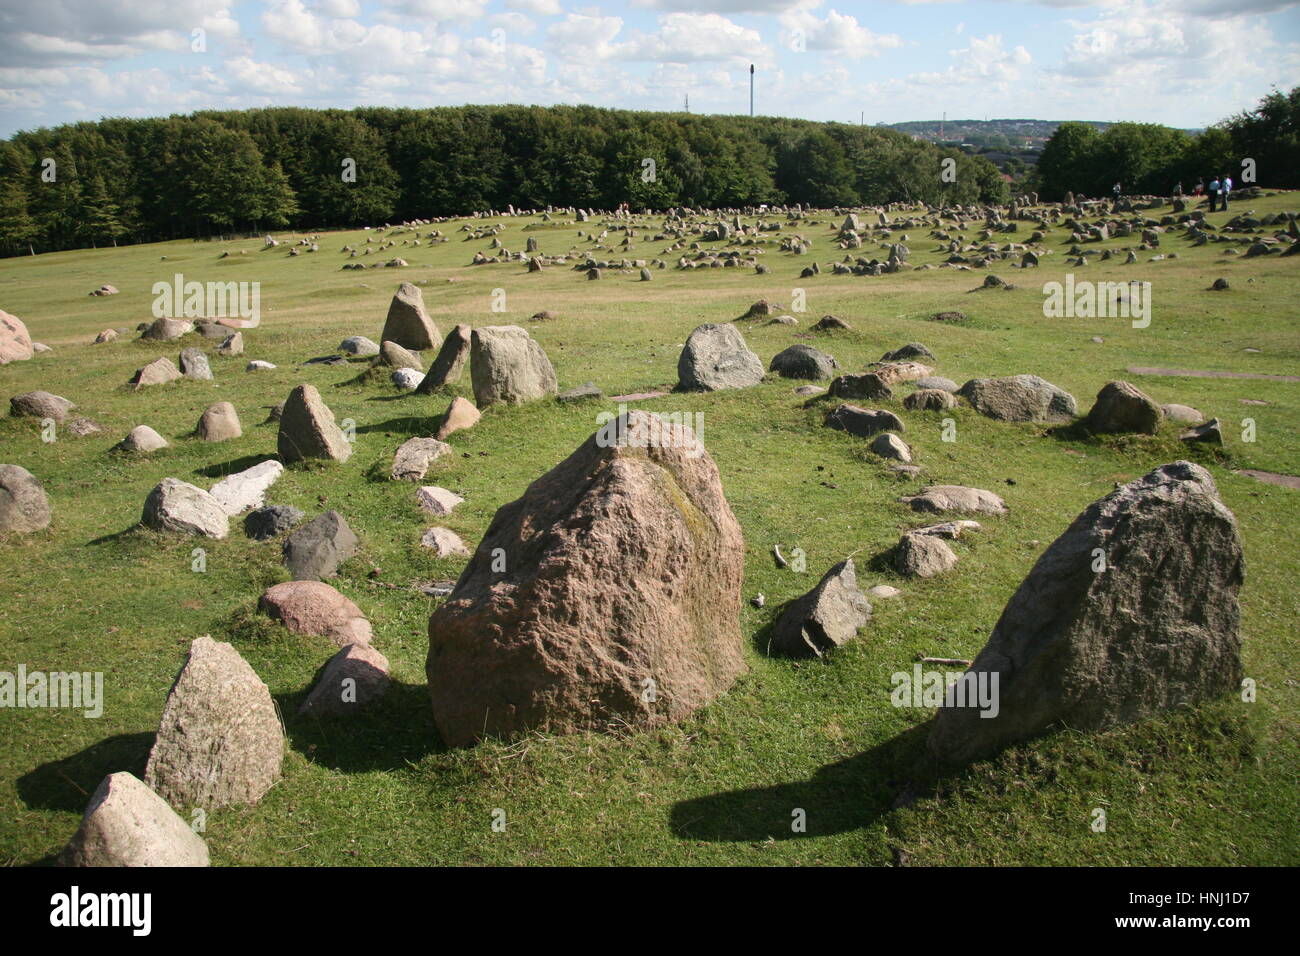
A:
[(1184, 63)]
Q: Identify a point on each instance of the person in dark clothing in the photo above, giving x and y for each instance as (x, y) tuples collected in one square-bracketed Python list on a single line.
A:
[(1214, 192)]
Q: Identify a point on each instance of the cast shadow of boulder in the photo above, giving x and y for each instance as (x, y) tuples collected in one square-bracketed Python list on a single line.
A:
[(67, 784), (389, 734), (846, 795)]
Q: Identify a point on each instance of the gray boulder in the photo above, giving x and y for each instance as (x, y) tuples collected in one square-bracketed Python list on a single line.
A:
[(923, 556), (861, 385), (40, 404), (270, 521), (308, 430), (408, 324), (219, 742), (194, 364), (1019, 398), (803, 361), (1157, 629), (826, 617), (316, 550), (24, 508), (178, 507), (716, 357), (507, 366), (447, 367), (863, 422), (1122, 407)]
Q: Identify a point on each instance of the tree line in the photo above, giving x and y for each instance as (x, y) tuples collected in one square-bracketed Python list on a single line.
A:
[(232, 172), (1262, 143)]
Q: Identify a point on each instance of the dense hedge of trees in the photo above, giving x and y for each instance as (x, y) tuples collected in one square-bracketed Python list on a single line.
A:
[(229, 172), (1145, 158)]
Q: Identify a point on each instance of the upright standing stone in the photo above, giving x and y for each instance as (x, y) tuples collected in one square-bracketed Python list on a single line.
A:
[(127, 824), (619, 601), (23, 505), (307, 429), (219, 742), (219, 423), (15, 341), (716, 357), (408, 324), (507, 366), (449, 364), (1157, 627)]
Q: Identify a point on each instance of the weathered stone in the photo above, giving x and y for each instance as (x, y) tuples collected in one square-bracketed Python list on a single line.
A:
[(407, 379), (219, 422), (127, 824), (937, 382), (438, 501), (460, 414), (354, 677), (1019, 398), (158, 372), (559, 642), (891, 373), (40, 404), (142, 439), (317, 549), (415, 455), (861, 385), (863, 422), (507, 366), (359, 346), (24, 507), (716, 357), (246, 489), (167, 330), (803, 361), (908, 351), (1183, 414), (307, 429), (179, 507), (81, 427), (316, 609), (394, 356), (929, 399), (15, 341), (219, 742), (1211, 431), (1122, 407), (826, 617), (194, 364), (444, 542), (888, 445), (271, 520), (923, 556), (232, 344), (1158, 629), (937, 499), (580, 393), (447, 367), (408, 324)]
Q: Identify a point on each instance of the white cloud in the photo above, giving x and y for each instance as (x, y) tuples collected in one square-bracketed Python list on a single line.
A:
[(542, 8), (837, 33)]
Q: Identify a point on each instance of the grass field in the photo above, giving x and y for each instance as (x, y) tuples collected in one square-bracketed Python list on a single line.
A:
[(95, 592)]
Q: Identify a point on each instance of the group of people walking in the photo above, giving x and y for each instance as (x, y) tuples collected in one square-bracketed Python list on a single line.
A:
[(1218, 191)]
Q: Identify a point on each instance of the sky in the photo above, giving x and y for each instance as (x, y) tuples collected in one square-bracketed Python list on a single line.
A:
[(1183, 63)]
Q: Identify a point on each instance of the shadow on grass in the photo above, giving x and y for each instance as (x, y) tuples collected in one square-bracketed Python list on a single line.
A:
[(67, 784), (847, 795), (411, 425), (234, 465), (126, 534), (389, 734)]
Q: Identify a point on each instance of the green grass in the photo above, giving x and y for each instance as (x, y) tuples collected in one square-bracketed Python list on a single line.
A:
[(95, 592)]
